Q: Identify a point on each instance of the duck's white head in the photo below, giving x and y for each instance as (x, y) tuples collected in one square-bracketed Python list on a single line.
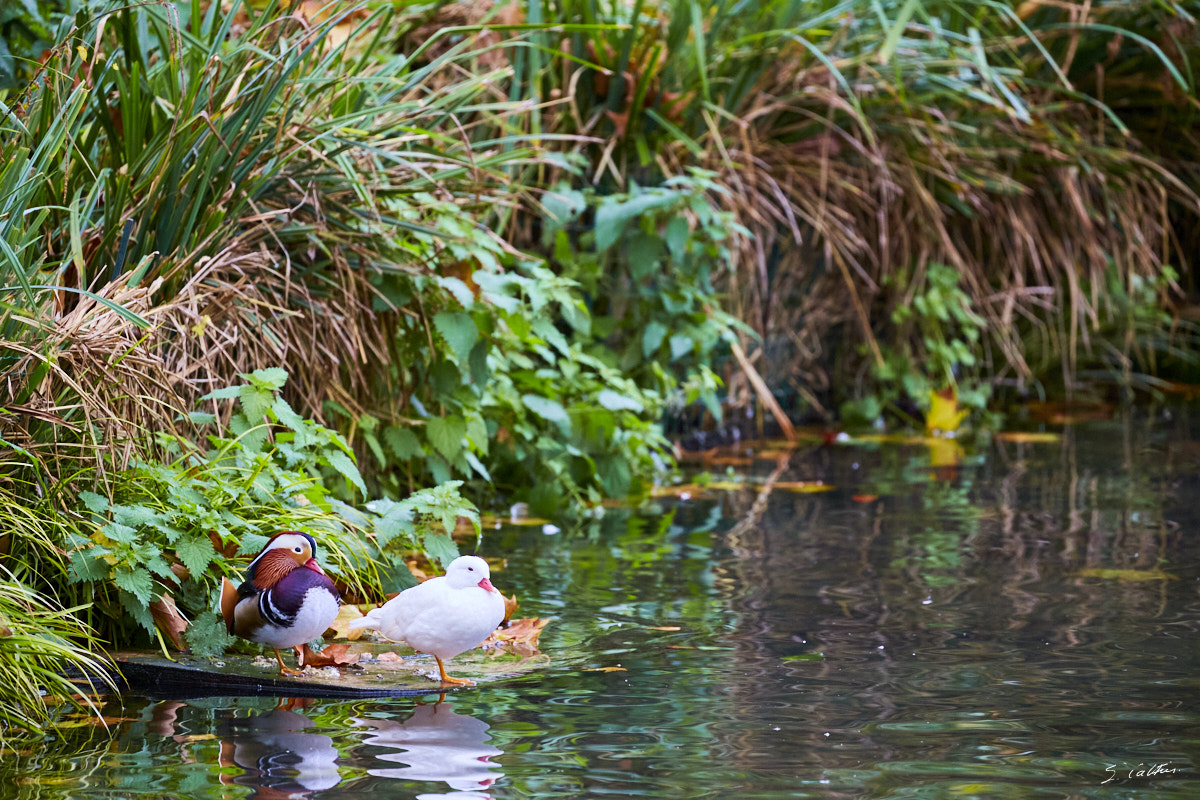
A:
[(467, 571)]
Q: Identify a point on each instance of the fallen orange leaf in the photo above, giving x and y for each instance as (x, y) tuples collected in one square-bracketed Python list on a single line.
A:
[(510, 605), (341, 624), (864, 498), (333, 655), (168, 620), (520, 634), (608, 669)]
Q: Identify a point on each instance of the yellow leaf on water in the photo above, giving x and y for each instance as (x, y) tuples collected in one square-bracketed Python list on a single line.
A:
[(1126, 574), (1027, 437), (944, 413), (804, 487), (341, 624)]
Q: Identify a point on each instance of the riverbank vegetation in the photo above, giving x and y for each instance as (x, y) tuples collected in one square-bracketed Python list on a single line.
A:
[(359, 269)]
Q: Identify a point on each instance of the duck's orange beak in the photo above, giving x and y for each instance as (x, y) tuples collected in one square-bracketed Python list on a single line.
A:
[(314, 566), (486, 584)]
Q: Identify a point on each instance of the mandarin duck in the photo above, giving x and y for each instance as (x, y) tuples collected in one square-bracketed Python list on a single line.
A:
[(443, 616), (286, 600)]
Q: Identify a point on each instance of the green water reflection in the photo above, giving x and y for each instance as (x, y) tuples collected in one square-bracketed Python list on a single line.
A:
[(1022, 624)]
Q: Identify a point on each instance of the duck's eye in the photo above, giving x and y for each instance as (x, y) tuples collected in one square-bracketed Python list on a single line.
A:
[(298, 549), (470, 569)]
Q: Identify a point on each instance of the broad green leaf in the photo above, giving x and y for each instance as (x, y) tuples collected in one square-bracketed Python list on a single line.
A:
[(87, 564), (226, 393), (440, 547), (545, 408), (446, 435), (137, 582), (269, 378), (459, 331), (681, 345), (97, 504), (346, 468), (207, 636), (195, 552), (256, 402), (615, 401), (652, 338), (403, 442)]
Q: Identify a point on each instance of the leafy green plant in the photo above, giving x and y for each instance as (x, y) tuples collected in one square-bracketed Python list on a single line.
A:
[(165, 534), (937, 337)]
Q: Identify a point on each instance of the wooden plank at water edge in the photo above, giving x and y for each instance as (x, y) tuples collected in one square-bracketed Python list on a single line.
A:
[(386, 674)]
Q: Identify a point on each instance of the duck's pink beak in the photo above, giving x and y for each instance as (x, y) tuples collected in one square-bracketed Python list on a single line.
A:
[(314, 566), (486, 584)]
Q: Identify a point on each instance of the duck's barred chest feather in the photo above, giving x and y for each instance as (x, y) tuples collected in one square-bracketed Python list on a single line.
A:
[(281, 604)]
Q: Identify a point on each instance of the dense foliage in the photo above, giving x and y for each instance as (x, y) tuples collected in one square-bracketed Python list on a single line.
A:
[(355, 273)]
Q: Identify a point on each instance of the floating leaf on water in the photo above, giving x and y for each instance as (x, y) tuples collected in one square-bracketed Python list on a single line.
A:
[(864, 498), (1027, 437), (664, 628), (804, 487), (805, 657), (608, 669), (684, 491), (521, 635), (1126, 574), (944, 413)]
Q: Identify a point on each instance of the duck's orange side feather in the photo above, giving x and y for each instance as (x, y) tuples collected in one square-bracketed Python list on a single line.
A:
[(229, 601)]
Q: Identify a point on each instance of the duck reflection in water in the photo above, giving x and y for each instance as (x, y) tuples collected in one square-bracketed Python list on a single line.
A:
[(279, 758), (436, 744)]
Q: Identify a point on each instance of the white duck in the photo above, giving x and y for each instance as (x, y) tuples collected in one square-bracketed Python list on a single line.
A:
[(443, 616)]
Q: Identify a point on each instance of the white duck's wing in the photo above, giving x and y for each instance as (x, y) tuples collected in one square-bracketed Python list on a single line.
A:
[(395, 616)]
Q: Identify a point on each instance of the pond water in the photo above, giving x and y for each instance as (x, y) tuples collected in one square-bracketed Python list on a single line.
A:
[(1014, 621)]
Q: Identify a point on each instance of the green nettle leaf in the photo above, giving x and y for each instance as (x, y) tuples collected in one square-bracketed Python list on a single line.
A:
[(446, 435), (224, 393), (289, 418), (137, 582), (88, 564), (346, 467), (269, 378), (459, 331), (613, 214), (207, 636), (478, 466), (440, 547), (681, 345), (478, 363), (135, 516), (546, 408), (251, 544), (196, 553), (120, 533), (256, 402), (652, 338), (614, 475), (97, 504), (615, 401), (139, 610), (403, 442)]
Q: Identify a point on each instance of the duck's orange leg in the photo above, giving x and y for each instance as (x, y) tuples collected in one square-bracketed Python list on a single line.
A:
[(285, 670), (447, 679)]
